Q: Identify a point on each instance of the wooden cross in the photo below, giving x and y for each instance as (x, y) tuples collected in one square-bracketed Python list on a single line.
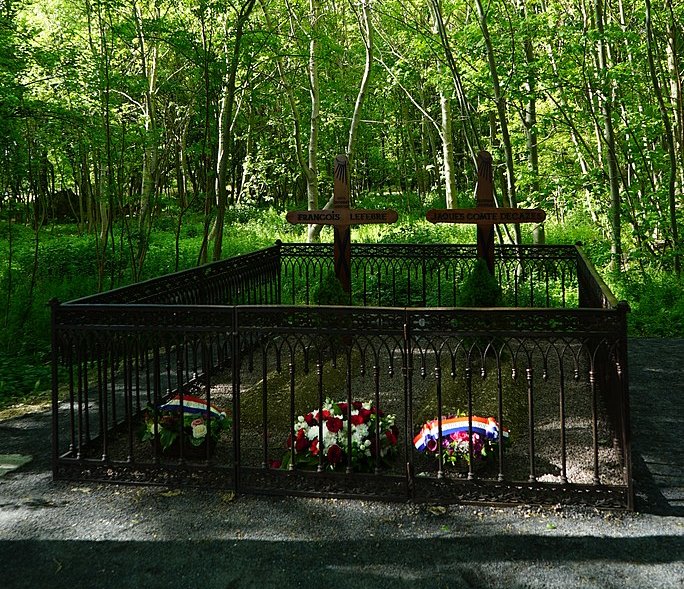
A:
[(341, 217), (485, 215)]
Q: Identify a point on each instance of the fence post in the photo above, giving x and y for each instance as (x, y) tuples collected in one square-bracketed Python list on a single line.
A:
[(235, 372), (54, 359), (623, 396), (407, 371), (279, 269)]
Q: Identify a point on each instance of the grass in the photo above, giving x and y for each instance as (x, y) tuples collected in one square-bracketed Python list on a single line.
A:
[(67, 269)]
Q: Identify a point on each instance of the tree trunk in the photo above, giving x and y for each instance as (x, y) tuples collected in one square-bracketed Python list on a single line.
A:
[(366, 31), (225, 122), (605, 97), (151, 152), (530, 125), (469, 132), (314, 120), (500, 101), (448, 152), (669, 139), (309, 172)]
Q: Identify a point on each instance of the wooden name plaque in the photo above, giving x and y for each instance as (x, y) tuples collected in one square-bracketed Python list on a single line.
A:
[(486, 215), (342, 217)]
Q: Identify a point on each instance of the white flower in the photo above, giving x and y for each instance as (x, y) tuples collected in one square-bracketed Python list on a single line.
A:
[(361, 431), (199, 431), (312, 434)]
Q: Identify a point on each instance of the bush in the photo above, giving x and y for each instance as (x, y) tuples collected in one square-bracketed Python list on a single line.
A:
[(479, 289), (329, 291), (657, 304)]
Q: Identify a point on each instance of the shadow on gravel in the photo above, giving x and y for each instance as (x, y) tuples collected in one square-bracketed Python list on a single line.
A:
[(471, 562), (656, 374)]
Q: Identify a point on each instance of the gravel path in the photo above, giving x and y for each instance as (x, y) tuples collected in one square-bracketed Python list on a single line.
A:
[(100, 536)]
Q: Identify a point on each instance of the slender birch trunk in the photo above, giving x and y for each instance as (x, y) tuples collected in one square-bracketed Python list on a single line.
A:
[(500, 102)]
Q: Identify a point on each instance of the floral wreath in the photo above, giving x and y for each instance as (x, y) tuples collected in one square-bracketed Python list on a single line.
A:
[(460, 436), (199, 421), (374, 437)]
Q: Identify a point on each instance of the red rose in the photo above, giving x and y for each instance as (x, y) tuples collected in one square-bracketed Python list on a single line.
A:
[(301, 444), (326, 414), (343, 407), (391, 437), (334, 454), (357, 405), (334, 424), (365, 414), (357, 419), (275, 464), (314, 447), (310, 419)]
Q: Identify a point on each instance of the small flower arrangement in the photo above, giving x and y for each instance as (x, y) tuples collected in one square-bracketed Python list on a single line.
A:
[(457, 439), (198, 422), (373, 435)]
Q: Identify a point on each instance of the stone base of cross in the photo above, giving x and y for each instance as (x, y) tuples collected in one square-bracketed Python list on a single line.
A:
[(485, 215), (341, 217)]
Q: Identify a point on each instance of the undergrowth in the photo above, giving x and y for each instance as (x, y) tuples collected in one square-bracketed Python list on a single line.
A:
[(66, 267)]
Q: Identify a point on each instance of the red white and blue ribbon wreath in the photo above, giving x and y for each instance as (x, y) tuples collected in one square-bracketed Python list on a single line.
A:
[(193, 405), (487, 427)]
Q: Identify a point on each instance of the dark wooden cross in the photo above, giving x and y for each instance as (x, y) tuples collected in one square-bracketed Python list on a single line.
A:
[(485, 215), (341, 217)]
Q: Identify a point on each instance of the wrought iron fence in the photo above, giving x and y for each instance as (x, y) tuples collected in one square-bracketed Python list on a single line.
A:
[(430, 275), (556, 378)]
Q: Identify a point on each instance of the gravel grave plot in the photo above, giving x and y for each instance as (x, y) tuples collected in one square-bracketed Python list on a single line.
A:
[(547, 425), (546, 403), (64, 534)]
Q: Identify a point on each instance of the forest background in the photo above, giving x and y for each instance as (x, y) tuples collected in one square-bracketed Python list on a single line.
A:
[(140, 137)]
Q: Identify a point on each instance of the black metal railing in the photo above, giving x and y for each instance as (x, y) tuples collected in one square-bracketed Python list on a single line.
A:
[(247, 279), (556, 377), (429, 275)]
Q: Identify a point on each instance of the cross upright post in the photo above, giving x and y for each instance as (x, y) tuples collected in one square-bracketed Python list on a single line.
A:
[(485, 215), (341, 217)]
